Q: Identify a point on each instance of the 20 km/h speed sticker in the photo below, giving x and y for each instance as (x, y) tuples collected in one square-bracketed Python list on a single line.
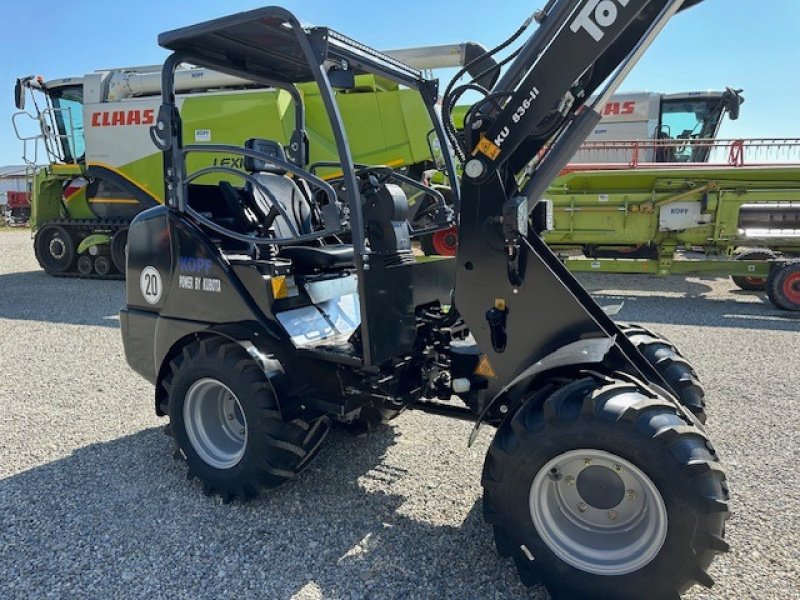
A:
[(150, 284)]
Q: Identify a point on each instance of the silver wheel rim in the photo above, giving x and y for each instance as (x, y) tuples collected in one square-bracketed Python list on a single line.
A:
[(57, 248), (573, 505), (215, 423)]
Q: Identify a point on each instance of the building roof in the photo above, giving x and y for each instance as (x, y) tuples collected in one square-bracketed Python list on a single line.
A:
[(12, 171)]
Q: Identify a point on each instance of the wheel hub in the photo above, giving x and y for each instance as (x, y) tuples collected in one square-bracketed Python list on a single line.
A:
[(600, 487), (791, 287), (598, 512), (215, 423), (445, 242), (57, 248)]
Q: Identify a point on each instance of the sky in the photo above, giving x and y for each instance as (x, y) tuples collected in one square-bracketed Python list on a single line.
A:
[(736, 43)]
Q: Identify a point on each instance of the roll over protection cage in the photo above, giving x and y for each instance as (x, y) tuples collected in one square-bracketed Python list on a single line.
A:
[(269, 46)]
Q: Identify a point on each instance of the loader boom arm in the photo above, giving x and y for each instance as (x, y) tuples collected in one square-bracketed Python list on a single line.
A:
[(515, 295), (579, 45)]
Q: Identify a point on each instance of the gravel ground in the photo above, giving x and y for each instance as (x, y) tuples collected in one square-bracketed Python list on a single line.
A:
[(93, 505)]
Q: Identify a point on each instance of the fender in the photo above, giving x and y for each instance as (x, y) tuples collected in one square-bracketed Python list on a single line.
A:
[(246, 337), (590, 351), (97, 239)]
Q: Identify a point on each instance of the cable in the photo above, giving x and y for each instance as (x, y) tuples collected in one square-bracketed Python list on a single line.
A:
[(450, 129)]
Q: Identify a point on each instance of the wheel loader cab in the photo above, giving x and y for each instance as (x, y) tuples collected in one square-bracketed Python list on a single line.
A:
[(268, 244)]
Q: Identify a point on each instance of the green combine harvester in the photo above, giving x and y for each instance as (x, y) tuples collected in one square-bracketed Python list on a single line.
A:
[(102, 168), (652, 190)]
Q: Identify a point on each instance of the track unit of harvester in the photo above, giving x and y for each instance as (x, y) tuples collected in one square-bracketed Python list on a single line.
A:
[(267, 309)]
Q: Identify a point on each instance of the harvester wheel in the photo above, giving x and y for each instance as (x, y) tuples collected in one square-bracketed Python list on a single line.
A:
[(85, 265), (783, 287), (753, 284), (102, 265), (55, 249), (673, 367), (600, 489), (426, 244), (118, 244), (225, 420), (445, 242)]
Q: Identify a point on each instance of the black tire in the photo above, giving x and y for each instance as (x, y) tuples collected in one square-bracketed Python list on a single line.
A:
[(648, 432), (275, 450), (54, 248), (783, 286), (85, 265), (118, 243), (426, 243), (672, 366), (102, 265), (752, 284)]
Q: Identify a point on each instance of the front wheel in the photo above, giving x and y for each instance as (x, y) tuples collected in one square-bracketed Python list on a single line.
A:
[(672, 366), (225, 420), (601, 490)]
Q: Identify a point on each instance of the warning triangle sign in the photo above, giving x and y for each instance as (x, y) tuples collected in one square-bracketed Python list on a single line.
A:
[(484, 368)]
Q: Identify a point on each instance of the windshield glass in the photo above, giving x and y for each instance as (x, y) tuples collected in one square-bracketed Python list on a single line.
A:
[(694, 119), (68, 105)]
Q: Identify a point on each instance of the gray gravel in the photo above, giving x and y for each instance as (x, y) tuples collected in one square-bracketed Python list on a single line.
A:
[(93, 505)]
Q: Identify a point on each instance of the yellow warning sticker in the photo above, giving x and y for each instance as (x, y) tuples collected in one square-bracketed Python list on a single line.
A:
[(488, 148), (279, 288), (484, 368)]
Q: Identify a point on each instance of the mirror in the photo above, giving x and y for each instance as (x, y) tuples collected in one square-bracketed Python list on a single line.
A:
[(733, 101), (342, 79), (19, 95)]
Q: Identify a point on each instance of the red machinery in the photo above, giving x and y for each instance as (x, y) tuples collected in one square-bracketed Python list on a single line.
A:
[(18, 209)]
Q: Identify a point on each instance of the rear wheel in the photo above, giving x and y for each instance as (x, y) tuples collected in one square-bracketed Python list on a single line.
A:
[(600, 489), (226, 423), (118, 244), (55, 249), (783, 287), (753, 284), (672, 366)]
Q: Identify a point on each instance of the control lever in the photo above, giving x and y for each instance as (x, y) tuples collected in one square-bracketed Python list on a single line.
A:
[(496, 317), (515, 227)]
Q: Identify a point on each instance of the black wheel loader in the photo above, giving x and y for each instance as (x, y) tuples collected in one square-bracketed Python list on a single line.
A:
[(260, 327)]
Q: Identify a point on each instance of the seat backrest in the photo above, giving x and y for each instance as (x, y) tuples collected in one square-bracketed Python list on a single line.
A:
[(279, 189)]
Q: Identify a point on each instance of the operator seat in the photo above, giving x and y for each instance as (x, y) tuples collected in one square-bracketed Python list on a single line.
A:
[(277, 188)]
